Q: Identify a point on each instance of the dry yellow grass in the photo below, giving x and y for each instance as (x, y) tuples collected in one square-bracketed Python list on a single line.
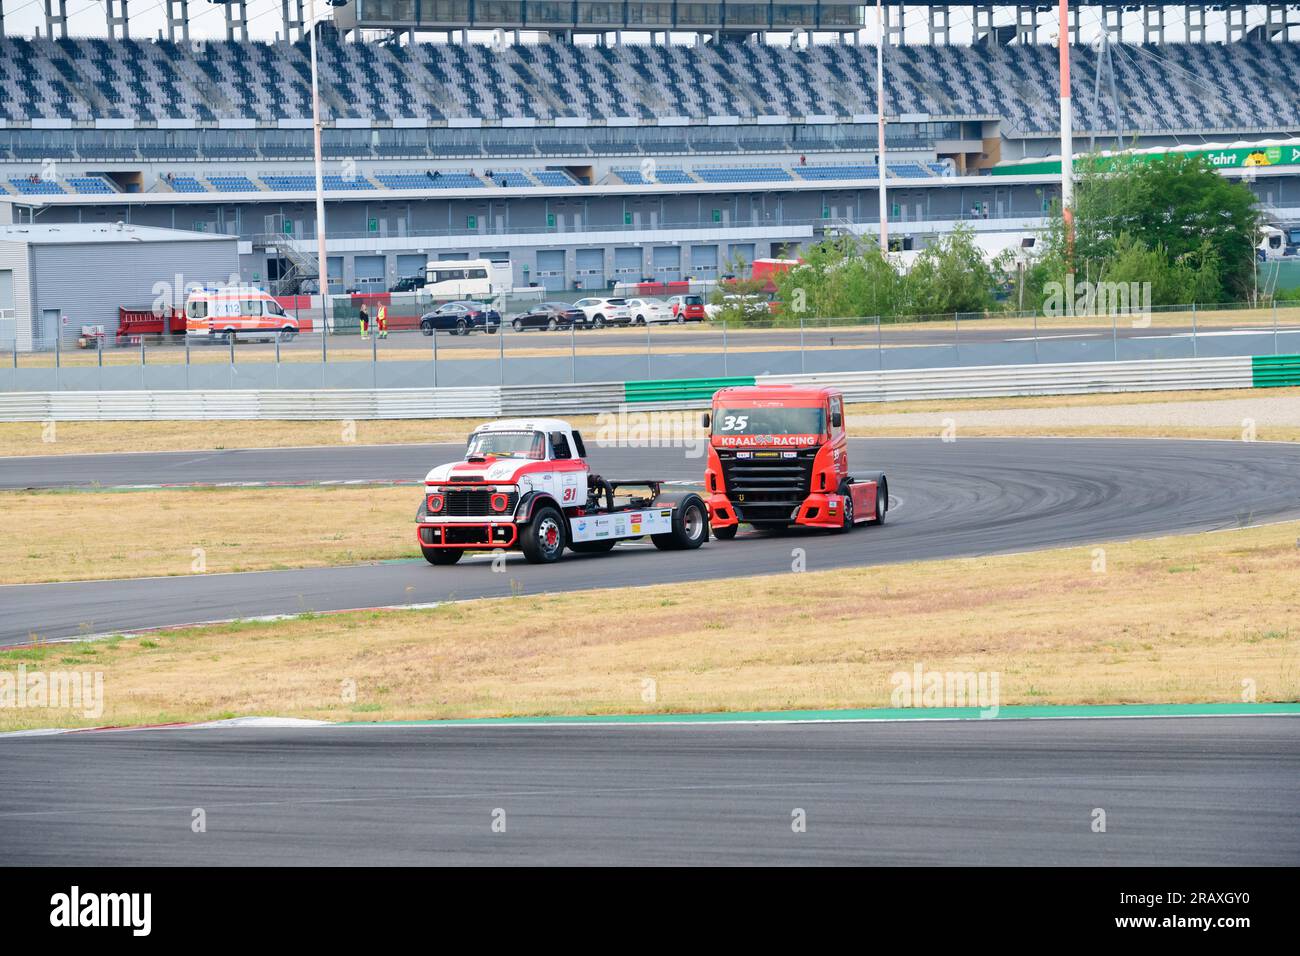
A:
[(27, 438), (74, 536), (1181, 619)]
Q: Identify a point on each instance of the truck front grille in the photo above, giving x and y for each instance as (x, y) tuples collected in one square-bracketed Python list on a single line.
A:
[(767, 486), (471, 502)]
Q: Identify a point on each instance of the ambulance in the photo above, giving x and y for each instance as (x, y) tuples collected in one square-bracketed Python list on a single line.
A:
[(231, 313)]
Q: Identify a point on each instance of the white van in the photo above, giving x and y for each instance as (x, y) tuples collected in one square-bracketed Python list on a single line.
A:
[(467, 279), (230, 313)]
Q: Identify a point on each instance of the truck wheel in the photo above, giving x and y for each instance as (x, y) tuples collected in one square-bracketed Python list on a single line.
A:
[(592, 547), (442, 556), (544, 537), (690, 527), (846, 513), (882, 502), (725, 533)]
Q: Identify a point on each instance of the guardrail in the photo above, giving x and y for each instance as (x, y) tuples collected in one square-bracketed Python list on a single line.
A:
[(521, 400)]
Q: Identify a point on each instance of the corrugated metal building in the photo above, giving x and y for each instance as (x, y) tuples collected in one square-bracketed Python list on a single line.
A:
[(56, 278)]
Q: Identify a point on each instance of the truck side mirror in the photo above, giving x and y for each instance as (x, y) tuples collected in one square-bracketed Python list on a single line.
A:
[(705, 421), (837, 420)]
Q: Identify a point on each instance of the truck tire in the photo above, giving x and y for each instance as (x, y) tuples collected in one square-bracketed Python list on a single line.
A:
[(544, 537), (592, 547), (690, 527), (725, 533), (846, 513), (882, 501), (441, 556)]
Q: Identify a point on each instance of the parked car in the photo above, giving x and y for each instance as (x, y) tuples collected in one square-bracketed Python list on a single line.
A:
[(688, 308), (646, 311), (460, 318), (601, 312), (409, 283), (548, 315)]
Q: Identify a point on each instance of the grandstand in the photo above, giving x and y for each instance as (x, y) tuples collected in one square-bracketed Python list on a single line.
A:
[(570, 158)]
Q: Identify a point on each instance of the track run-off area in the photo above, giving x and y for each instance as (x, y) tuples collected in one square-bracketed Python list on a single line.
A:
[(968, 497)]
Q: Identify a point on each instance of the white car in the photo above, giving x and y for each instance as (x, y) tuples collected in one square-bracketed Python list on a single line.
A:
[(646, 311), (601, 312)]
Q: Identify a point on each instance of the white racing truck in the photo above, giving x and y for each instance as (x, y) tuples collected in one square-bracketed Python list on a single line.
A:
[(524, 485)]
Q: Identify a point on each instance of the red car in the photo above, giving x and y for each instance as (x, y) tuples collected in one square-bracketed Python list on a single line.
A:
[(688, 308)]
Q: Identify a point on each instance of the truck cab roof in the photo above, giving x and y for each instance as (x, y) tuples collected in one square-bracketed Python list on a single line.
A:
[(784, 394)]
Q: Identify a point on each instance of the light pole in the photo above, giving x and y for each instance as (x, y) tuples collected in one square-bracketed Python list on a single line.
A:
[(1067, 133), (880, 118), (322, 270)]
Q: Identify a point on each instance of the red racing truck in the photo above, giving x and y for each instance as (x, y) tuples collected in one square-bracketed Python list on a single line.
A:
[(778, 457)]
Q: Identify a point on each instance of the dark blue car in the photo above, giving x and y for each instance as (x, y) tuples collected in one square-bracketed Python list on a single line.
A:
[(460, 318)]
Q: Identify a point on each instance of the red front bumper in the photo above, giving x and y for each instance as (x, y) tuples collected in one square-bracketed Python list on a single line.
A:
[(818, 510), (486, 536)]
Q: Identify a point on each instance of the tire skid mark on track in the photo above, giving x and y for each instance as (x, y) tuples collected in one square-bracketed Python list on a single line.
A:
[(969, 498)]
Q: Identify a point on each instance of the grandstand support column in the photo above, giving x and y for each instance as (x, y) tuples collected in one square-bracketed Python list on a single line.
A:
[(1196, 24), (237, 18), (178, 23), (939, 25), (1067, 132), (1026, 25), (293, 21), (1112, 20), (1153, 24), (982, 22), (880, 124), (2, 18), (117, 21), (53, 19), (1236, 23)]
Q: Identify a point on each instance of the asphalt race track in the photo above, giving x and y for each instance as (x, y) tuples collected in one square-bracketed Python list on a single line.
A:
[(1187, 791), (968, 497)]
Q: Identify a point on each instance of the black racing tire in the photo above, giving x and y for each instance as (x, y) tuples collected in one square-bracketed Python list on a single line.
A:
[(846, 513), (690, 527), (442, 556), (882, 501), (725, 533), (592, 547), (544, 538)]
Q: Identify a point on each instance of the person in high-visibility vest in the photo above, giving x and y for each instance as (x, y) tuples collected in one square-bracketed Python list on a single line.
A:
[(364, 318), (383, 321)]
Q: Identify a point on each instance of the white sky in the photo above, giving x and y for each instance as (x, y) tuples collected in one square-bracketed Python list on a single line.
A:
[(148, 19)]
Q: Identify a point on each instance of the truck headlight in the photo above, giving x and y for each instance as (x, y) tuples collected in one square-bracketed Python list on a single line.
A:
[(433, 504)]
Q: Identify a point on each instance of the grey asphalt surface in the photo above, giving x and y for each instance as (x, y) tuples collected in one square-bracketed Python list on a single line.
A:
[(969, 497), (1188, 791)]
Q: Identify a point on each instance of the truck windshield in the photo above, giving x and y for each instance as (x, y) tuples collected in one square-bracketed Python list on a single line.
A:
[(769, 421), (507, 445)]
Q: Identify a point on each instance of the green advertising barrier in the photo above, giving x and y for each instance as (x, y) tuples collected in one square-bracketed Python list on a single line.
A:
[(1274, 371), (679, 389), (1220, 157)]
